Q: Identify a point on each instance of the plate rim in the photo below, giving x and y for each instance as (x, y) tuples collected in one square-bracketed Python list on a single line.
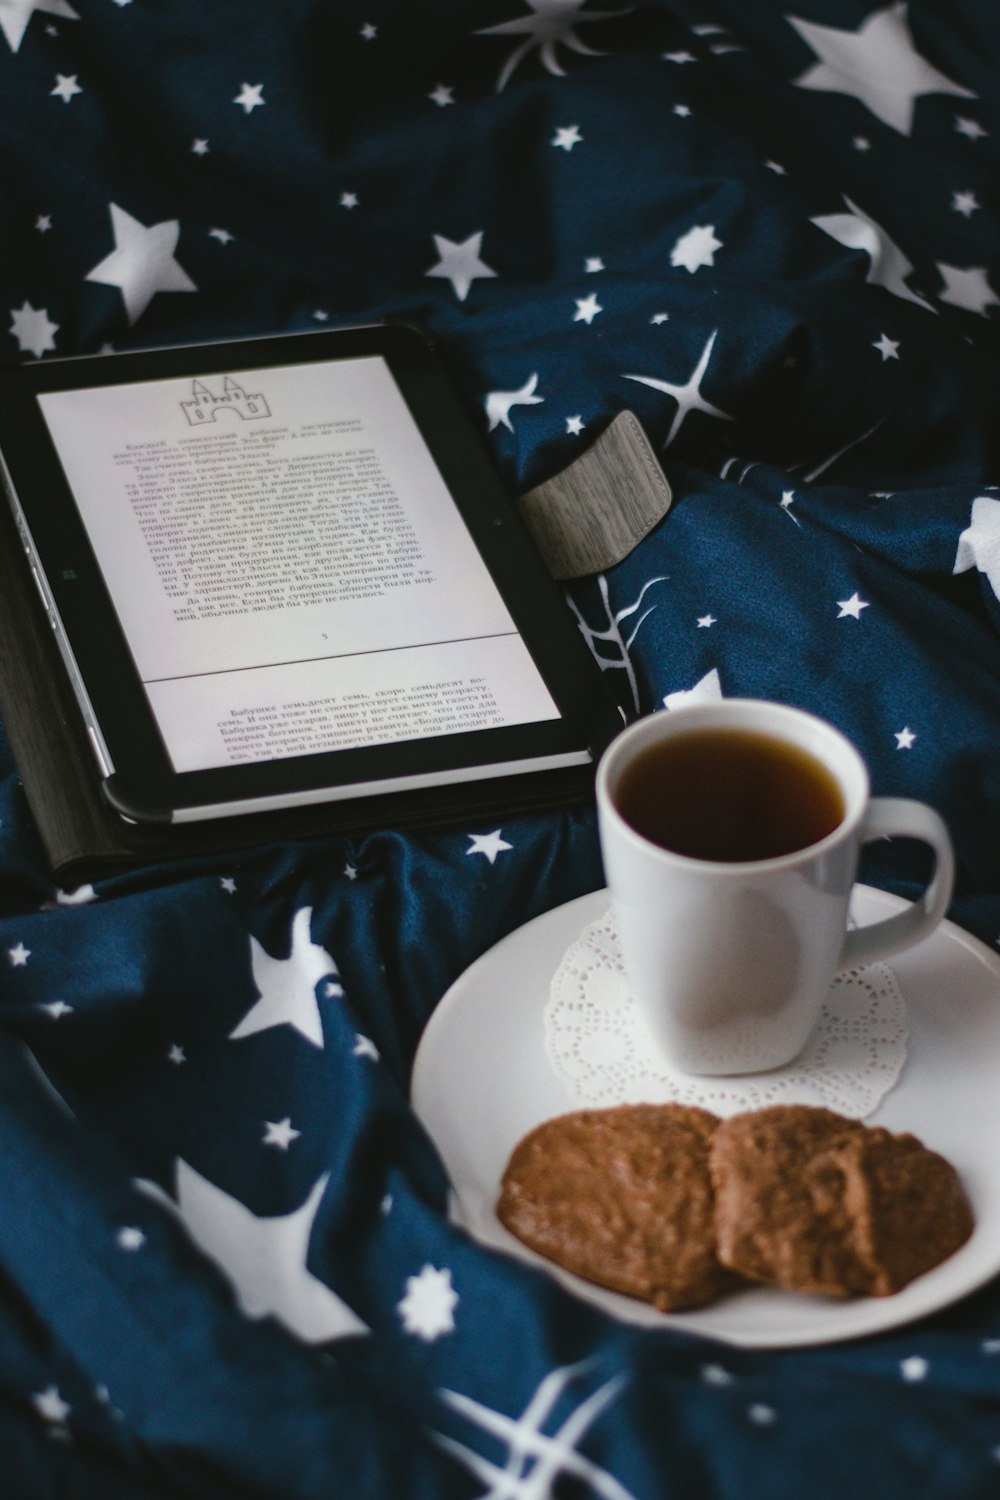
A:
[(857, 1320)]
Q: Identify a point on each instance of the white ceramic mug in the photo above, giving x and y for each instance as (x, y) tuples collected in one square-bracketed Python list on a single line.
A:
[(729, 963)]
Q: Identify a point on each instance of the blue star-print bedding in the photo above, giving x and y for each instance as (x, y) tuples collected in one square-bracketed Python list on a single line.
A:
[(227, 1266)]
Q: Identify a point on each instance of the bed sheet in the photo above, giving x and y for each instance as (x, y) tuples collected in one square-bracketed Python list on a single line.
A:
[(226, 1262)]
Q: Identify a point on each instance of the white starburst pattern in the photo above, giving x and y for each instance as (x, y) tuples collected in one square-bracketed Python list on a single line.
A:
[(552, 24), (280, 1133), (67, 87), (707, 689), (460, 263), (905, 738), (250, 97), (142, 262), (566, 137), (15, 15), (687, 396), (877, 64), (287, 986), (968, 288), (979, 544), (887, 347), (587, 309), (888, 266), (264, 1258), (50, 1406), (18, 955), (696, 248), (914, 1368), (499, 403), (490, 844), (850, 609), (428, 1307), (33, 329), (537, 1459)]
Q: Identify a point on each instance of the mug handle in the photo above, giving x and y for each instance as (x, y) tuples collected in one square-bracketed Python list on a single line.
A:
[(902, 817)]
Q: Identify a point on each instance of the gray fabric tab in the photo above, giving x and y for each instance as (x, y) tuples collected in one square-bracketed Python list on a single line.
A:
[(590, 515)]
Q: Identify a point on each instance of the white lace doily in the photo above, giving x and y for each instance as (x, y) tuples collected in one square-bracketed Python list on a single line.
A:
[(599, 1046)]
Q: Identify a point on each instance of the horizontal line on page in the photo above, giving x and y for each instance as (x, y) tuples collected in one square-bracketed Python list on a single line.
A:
[(460, 640)]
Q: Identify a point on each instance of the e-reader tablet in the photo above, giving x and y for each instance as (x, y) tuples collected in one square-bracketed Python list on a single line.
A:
[(283, 571)]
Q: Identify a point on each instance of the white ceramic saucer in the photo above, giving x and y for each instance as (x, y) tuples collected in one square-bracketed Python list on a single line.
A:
[(482, 1079)]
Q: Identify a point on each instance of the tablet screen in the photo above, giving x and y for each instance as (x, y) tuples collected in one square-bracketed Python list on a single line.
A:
[(288, 567)]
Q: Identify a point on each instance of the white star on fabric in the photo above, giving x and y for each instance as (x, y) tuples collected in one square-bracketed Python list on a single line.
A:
[(787, 498), (142, 262), (967, 288), (979, 544), (905, 739), (264, 1259), (81, 896), (777, 168), (687, 396), (574, 426), (970, 128), (349, 200), (250, 96), (177, 1055), (199, 146), (861, 143), (587, 309), (460, 262), (490, 844), (592, 264), (877, 64), (442, 94), (222, 235), (280, 1133), (761, 1415), (15, 15), (499, 403), (332, 990), (696, 248), (57, 1009), (66, 86), (50, 1406), (682, 110), (915, 1367), (19, 955), (851, 608), (660, 317), (705, 622), (228, 884), (287, 986), (888, 266), (428, 1308), (964, 203), (550, 25), (130, 1238), (34, 330), (365, 1047), (680, 58), (43, 223), (351, 871), (716, 1375), (567, 136), (887, 347), (368, 32)]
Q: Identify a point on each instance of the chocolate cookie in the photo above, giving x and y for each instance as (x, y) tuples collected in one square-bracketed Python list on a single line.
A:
[(811, 1201), (621, 1197)]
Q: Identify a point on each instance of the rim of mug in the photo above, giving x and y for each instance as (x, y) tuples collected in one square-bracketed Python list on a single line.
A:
[(739, 713)]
